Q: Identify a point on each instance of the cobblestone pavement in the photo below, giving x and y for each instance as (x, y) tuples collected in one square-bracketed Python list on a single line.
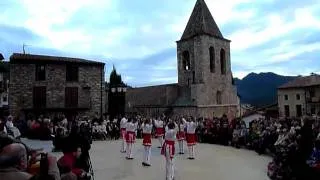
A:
[(212, 162)]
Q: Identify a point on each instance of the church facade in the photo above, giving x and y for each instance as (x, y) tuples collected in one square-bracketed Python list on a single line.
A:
[(205, 85)]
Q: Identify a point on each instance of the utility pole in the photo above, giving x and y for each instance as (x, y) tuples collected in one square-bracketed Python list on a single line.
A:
[(23, 48)]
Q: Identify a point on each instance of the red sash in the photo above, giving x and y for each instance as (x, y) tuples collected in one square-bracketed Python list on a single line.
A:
[(146, 140), (170, 145), (159, 132), (130, 137), (123, 133), (191, 139), (181, 135)]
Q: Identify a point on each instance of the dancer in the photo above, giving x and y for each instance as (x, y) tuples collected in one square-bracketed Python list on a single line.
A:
[(191, 136), (130, 136), (123, 123), (146, 132), (168, 149), (159, 130), (181, 134)]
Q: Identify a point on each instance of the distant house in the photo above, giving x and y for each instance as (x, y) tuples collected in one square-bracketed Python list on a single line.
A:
[(300, 97), (4, 87), (254, 115), (48, 85)]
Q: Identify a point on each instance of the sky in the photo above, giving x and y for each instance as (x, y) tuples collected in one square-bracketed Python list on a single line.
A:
[(139, 36)]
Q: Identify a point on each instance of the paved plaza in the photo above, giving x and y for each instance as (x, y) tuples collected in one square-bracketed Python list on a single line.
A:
[(212, 162)]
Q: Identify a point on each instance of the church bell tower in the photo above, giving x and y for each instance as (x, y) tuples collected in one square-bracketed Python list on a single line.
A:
[(204, 66)]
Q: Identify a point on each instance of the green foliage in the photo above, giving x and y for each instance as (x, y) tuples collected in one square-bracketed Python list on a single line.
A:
[(115, 78)]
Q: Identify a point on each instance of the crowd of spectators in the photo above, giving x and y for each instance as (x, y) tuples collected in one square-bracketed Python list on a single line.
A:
[(294, 144)]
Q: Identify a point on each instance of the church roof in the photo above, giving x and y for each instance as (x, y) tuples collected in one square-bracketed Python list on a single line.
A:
[(201, 22)]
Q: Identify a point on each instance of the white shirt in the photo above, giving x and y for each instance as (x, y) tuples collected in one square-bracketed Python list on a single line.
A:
[(131, 127), (158, 123), (9, 124), (191, 127), (146, 128), (183, 125), (103, 128), (171, 134), (123, 123)]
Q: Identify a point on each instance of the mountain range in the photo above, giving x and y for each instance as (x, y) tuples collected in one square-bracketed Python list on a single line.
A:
[(260, 89)]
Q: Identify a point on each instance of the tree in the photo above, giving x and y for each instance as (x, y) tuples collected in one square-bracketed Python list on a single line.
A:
[(116, 100)]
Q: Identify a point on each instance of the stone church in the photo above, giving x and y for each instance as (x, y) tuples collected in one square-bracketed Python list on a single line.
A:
[(205, 84)]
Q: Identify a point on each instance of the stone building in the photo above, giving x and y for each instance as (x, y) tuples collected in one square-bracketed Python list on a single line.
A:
[(49, 85), (4, 88), (205, 83), (300, 97)]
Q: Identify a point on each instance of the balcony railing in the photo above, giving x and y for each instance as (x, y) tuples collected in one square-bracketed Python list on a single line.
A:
[(313, 100)]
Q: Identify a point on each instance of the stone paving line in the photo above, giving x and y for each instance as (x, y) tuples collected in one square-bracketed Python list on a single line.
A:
[(212, 162)]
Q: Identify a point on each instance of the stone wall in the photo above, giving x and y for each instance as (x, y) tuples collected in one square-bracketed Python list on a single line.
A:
[(153, 96), (22, 81)]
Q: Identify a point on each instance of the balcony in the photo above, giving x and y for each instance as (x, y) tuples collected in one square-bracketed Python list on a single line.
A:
[(313, 100)]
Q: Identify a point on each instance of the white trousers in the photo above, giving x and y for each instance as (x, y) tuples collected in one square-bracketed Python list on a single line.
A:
[(129, 150), (191, 151), (181, 146), (160, 138), (147, 154), (169, 165)]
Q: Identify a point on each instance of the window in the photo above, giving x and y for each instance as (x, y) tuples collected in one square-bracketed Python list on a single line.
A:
[(193, 77), (39, 97), (218, 97), (286, 97), (5, 98), (72, 72), (298, 96), (186, 60), (223, 61), (287, 110), (212, 60), (40, 72), (312, 93), (71, 97), (313, 110), (299, 110)]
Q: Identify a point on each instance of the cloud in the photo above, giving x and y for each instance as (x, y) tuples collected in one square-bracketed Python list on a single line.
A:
[(139, 37)]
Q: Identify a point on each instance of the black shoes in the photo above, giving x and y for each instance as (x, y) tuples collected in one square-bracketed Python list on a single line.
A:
[(191, 158), (129, 158), (145, 164)]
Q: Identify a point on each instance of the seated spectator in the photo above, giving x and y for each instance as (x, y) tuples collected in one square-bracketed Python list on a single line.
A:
[(314, 161), (67, 163), (12, 130), (14, 162), (3, 129)]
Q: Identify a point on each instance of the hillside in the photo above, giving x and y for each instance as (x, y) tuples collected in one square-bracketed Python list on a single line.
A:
[(260, 89)]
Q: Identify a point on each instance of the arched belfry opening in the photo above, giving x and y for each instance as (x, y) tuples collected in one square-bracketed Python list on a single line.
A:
[(223, 61), (186, 60), (212, 60), (218, 97)]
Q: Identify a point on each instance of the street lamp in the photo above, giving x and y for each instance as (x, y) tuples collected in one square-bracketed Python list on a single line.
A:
[(113, 90), (119, 89)]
